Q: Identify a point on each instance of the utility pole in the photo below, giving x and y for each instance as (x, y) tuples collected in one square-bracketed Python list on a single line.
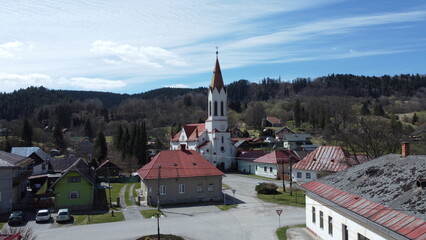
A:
[(109, 188), (158, 203), (282, 170), (291, 176)]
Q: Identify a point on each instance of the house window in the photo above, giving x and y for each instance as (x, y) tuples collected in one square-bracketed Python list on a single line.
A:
[(199, 188), (299, 175), (74, 195), (210, 188), (362, 237), (221, 108), (215, 108), (308, 175), (181, 188), (270, 169), (330, 225), (43, 166), (162, 189), (321, 220), (265, 169), (314, 219), (74, 179), (345, 235)]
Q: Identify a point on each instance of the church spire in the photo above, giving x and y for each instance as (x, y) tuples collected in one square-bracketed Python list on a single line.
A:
[(217, 81)]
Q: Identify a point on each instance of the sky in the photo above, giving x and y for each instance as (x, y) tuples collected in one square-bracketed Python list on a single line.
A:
[(133, 46)]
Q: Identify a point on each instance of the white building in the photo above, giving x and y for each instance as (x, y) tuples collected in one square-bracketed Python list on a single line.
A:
[(384, 198), (211, 139)]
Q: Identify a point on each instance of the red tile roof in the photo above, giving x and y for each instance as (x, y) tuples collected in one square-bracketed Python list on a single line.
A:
[(178, 164), (273, 120), (278, 157), (399, 222), (327, 158), (191, 131)]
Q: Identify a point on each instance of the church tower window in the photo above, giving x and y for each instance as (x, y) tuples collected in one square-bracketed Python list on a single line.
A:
[(222, 139), (221, 108), (210, 108), (215, 108)]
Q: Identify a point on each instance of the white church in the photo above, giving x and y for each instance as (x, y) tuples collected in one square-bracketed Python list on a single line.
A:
[(211, 139)]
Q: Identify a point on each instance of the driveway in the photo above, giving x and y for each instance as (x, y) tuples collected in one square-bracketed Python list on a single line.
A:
[(251, 219)]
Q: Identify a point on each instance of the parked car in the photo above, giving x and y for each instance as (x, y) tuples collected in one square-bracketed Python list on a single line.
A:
[(43, 215), (17, 217), (63, 215)]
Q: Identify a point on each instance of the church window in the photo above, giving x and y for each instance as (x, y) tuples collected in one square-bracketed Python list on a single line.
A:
[(222, 139), (215, 108), (222, 149), (221, 108), (210, 108)]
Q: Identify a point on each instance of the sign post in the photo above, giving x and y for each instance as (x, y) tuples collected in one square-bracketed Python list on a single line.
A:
[(279, 211)]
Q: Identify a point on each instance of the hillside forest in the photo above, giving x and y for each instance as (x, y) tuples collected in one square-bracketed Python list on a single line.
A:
[(366, 115)]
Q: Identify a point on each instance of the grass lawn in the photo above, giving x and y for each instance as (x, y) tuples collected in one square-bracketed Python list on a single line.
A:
[(2, 224), (297, 200), (226, 186), (115, 191), (282, 231), (99, 218), (150, 213), (226, 207)]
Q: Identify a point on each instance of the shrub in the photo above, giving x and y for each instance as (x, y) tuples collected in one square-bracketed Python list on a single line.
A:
[(266, 188)]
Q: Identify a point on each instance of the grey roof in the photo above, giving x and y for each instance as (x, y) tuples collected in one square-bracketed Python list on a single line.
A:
[(392, 185), (13, 160), (289, 137), (61, 164), (24, 151)]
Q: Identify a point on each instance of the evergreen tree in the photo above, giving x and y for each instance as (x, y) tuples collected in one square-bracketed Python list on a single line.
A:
[(27, 133), (58, 137), (364, 110), (414, 119), (88, 129), (297, 114), (378, 109), (100, 149), (118, 137)]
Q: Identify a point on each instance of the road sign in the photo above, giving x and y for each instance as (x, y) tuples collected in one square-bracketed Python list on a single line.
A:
[(279, 211)]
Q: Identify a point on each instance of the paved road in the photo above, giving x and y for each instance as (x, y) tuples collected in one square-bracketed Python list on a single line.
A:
[(252, 219)]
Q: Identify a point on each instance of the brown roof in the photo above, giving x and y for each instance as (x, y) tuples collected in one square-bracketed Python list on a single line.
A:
[(178, 164), (273, 120), (328, 158), (278, 157), (217, 81), (250, 155)]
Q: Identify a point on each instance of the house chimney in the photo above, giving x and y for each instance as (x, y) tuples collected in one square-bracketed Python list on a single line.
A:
[(405, 151), (182, 147)]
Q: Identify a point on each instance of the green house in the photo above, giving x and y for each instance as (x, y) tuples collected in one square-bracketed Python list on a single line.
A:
[(76, 187)]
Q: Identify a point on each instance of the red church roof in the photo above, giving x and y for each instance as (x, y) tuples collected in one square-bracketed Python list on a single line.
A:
[(192, 131), (178, 164), (278, 157)]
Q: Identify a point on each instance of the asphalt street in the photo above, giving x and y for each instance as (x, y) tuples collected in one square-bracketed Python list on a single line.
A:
[(251, 219)]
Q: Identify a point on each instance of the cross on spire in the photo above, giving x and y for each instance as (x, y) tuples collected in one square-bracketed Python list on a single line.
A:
[(217, 51)]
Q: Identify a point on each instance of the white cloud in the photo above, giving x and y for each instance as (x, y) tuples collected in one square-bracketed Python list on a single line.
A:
[(155, 57), (10, 49), (10, 82), (179, 85)]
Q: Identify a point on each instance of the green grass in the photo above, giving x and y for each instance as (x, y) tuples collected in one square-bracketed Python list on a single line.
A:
[(226, 207), (98, 218), (115, 191), (150, 213), (282, 231), (2, 224), (226, 186), (297, 200)]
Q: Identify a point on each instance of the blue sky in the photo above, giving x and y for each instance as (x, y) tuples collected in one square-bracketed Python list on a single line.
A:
[(135, 46)]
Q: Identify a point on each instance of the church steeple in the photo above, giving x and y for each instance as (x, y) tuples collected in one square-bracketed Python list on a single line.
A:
[(217, 81)]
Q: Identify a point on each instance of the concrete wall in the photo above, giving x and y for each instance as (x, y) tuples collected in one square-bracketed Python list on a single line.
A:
[(338, 218), (271, 170), (303, 174), (191, 195), (246, 167)]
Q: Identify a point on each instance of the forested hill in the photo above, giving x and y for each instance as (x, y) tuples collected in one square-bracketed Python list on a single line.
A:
[(23, 102)]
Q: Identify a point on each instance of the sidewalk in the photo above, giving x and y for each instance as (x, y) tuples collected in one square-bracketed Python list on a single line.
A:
[(129, 212), (299, 233)]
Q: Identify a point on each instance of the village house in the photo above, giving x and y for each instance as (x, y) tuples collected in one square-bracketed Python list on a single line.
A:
[(211, 139), (245, 160), (380, 199), (297, 141), (40, 158), (323, 161), (279, 134), (182, 176), (14, 173), (271, 122)]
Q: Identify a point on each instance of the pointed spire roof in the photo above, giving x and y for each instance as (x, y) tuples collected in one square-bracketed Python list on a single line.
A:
[(217, 81)]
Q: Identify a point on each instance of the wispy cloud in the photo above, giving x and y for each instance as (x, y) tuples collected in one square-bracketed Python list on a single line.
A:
[(179, 85), (10, 49), (11, 82), (115, 53)]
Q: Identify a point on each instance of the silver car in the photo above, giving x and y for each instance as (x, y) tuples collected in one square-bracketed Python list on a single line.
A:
[(63, 215), (43, 215)]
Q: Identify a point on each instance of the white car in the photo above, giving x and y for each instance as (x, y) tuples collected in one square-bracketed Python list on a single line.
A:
[(63, 215), (43, 215)]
